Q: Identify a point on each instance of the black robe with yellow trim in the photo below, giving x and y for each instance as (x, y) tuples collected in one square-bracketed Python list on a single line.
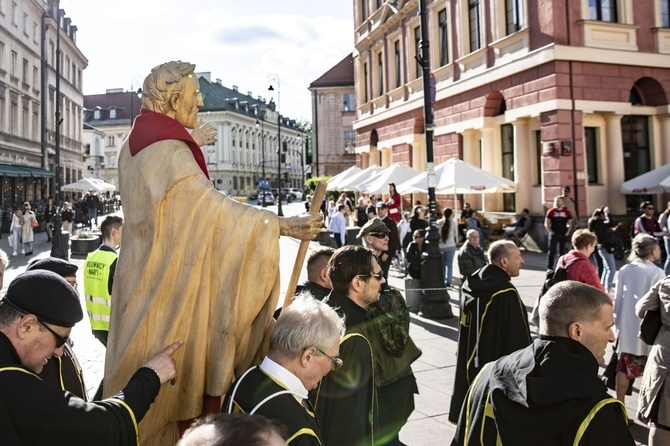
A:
[(547, 394), (346, 399), (64, 373), (301, 423), (33, 413), (493, 323)]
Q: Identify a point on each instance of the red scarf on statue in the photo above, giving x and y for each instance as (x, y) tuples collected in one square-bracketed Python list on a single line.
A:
[(151, 127)]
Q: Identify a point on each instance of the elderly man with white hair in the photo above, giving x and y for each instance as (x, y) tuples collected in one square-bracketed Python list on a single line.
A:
[(304, 347)]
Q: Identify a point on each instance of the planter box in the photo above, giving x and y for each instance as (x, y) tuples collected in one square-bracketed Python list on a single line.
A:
[(325, 238), (81, 247)]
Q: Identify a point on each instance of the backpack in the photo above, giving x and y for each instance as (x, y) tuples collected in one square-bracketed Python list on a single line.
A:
[(554, 276), (388, 332)]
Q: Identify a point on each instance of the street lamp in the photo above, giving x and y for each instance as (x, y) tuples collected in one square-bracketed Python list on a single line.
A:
[(274, 79), (260, 124), (436, 298)]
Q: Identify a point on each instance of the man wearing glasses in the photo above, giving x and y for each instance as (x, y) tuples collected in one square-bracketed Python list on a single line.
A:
[(304, 347), (389, 320), (646, 223), (345, 400), (36, 317)]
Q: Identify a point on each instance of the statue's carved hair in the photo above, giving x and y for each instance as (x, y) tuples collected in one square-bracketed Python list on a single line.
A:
[(164, 81)]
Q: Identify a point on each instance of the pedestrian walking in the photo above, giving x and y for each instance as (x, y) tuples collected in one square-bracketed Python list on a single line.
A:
[(15, 230), (29, 221)]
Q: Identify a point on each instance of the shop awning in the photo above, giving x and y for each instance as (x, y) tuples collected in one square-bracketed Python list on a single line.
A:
[(10, 170)]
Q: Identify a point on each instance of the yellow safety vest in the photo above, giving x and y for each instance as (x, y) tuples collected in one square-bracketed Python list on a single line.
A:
[(96, 279)]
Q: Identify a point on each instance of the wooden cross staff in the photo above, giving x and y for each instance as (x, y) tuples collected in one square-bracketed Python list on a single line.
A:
[(319, 192)]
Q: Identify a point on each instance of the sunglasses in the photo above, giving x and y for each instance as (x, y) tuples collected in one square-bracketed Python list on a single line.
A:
[(60, 340), (379, 234), (335, 363), (379, 276)]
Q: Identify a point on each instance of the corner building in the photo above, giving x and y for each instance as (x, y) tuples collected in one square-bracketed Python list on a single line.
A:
[(545, 93)]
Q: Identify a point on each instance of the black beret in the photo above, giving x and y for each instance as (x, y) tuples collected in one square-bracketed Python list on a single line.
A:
[(46, 295), (59, 266)]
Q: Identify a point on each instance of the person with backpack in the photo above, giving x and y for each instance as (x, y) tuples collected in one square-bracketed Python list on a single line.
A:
[(574, 265), (393, 349), (576, 262)]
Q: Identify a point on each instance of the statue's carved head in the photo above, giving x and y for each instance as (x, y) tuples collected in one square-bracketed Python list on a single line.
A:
[(173, 89)]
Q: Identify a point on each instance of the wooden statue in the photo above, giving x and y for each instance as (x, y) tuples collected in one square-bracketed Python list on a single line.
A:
[(195, 265)]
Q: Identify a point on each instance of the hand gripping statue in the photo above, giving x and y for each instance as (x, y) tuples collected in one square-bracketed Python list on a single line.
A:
[(195, 265)]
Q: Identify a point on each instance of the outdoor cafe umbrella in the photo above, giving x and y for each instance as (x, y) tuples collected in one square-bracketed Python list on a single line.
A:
[(656, 181), (378, 184), (340, 177), (458, 177), (362, 176), (86, 184)]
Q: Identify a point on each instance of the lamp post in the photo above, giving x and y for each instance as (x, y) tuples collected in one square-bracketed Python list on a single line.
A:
[(262, 116), (274, 79), (435, 304)]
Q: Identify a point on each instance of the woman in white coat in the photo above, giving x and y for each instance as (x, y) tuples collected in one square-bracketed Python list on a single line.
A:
[(635, 280), (27, 237), (15, 230)]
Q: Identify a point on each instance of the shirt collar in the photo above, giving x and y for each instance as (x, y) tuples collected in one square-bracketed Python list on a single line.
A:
[(286, 378)]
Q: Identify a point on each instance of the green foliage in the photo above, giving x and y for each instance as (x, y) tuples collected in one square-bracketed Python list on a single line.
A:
[(311, 182)]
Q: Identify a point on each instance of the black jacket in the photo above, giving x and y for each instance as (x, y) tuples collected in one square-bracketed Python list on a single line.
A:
[(493, 323), (346, 399), (540, 395), (32, 413)]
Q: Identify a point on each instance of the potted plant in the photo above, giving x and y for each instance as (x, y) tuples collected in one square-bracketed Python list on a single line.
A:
[(84, 242)]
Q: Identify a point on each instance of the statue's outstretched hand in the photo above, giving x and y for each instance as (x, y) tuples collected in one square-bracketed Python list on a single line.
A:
[(303, 227), (204, 134)]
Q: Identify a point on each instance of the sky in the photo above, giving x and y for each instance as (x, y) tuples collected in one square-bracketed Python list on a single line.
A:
[(240, 42)]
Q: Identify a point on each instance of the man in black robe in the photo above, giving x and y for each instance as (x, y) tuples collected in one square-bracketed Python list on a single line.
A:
[(304, 347), (317, 283), (345, 400), (493, 319), (549, 393), (36, 317)]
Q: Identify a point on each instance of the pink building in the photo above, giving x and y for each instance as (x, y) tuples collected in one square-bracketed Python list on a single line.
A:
[(546, 93)]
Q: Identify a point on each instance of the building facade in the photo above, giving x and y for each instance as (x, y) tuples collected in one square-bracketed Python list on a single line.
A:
[(247, 132), (548, 94), (29, 32), (333, 114), (111, 113)]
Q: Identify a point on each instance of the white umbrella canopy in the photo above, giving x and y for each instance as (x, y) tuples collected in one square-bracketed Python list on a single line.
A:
[(362, 176), (458, 177), (378, 184), (337, 179), (656, 181), (86, 184)]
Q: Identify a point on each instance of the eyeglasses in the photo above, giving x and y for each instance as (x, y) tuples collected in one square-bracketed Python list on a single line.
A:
[(379, 234), (60, 340), (651, 208), (379, 276), (335, 363), (419, 236)]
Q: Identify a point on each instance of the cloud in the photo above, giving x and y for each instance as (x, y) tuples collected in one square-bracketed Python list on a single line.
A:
[(248, 35)]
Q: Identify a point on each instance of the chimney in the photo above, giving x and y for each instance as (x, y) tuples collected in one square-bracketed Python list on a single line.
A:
[(218, 81), (205, 75), (250, 94), (235, 88)]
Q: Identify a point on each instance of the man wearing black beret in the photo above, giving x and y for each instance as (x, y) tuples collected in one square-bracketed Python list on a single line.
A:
[(36, 317), (62, 372)]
